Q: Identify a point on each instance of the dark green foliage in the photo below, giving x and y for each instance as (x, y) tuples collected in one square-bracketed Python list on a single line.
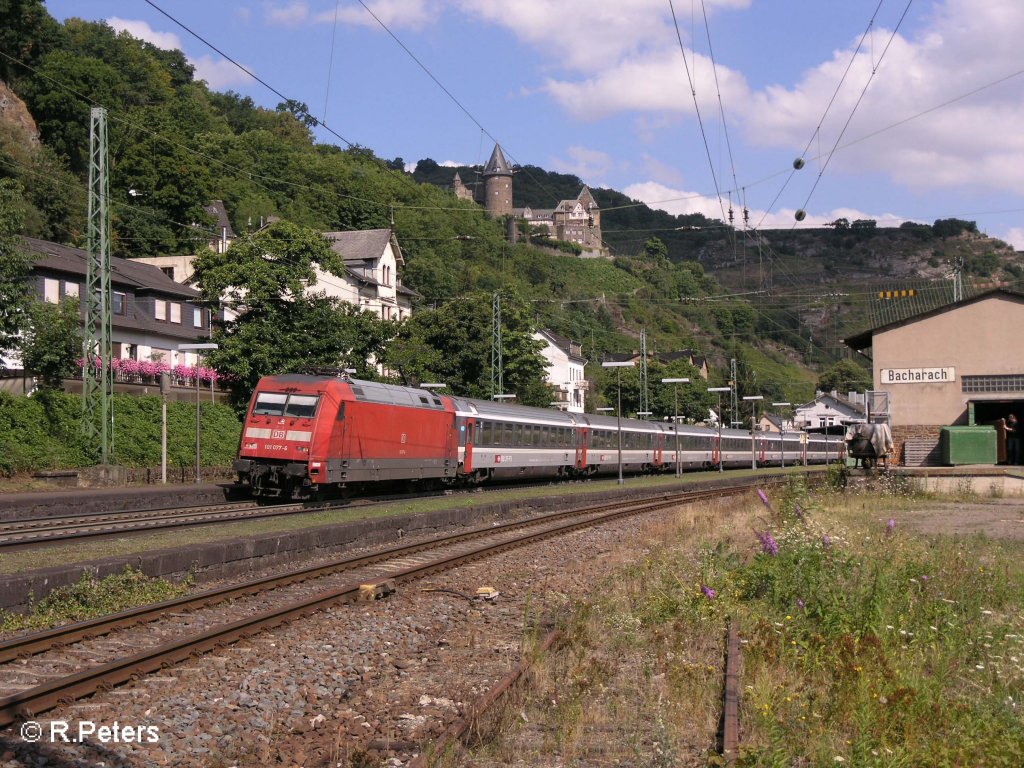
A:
[(953, 227), (45, 432), (452, 344), (279, 328), (52, 342), (14, 266), (845, 376)]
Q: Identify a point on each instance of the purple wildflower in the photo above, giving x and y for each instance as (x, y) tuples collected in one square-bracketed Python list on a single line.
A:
[(924, 578), (799, 511), (800, 603), (826, 540), (768, 543), (890, 527), (764, 498), (709, 593)]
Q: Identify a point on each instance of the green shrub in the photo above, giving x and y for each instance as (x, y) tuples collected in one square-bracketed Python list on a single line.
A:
[(45, 432)]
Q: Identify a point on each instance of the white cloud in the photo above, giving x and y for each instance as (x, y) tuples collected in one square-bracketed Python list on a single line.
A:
[(141, 30), (395, 14), (217, 72), (976, 141), (1014, 237), (586, 35), (678, 202)]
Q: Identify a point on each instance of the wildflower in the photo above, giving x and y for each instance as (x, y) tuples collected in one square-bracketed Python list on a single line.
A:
[(924, 578), (800, 603), (709, 593), (890, 527), (799, 511), (768, 543), (826, 540), (764, 498)]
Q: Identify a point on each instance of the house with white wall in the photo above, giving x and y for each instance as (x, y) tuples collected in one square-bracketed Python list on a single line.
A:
[(827, 410), (565, 370), (150, 313), (370, 281)]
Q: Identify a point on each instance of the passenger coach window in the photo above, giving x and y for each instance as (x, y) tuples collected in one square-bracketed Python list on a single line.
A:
[(269, 404), (302, 406)]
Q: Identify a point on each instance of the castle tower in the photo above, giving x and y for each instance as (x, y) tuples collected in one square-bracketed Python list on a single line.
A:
[(497, 185)]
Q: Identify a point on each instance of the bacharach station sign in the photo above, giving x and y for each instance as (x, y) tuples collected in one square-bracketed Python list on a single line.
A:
[(917, 375)]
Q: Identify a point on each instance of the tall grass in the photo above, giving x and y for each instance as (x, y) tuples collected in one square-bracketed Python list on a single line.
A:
[(868, 645)]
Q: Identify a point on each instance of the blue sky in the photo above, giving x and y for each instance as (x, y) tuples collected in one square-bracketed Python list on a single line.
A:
[(599, 88)]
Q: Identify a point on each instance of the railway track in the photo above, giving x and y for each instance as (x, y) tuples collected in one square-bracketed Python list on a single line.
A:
[(15, 534), (41, 670)]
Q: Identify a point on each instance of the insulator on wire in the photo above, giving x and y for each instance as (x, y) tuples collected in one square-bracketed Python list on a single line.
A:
[(798, 163), (801, 215)]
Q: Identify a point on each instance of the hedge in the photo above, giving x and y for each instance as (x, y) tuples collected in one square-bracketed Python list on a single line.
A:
[(44, 432)]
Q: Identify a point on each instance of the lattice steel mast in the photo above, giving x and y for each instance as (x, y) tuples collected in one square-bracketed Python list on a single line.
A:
[(497, 364), (97, 374)]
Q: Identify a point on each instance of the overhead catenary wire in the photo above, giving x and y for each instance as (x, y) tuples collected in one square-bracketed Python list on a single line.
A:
[(821, 121), (696, 107), (853, 111)]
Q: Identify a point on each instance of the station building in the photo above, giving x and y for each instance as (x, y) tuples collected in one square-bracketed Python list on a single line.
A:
[(960, 364)]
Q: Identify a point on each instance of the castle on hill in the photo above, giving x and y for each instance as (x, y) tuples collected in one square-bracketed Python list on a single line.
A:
[(575, 221)]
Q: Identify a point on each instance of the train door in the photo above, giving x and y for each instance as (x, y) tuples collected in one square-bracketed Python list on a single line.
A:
[(581, 447), (763, 452), (467, 434), (659, 447), (716, 449), (803, 448)]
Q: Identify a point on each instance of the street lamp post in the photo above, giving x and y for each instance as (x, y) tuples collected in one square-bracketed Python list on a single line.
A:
[(720, 390), (618, 411), (753, 418), (782, 430), (675, 418), (197, 348)]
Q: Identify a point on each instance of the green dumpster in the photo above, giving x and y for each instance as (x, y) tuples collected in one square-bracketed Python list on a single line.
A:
[(968, 445)]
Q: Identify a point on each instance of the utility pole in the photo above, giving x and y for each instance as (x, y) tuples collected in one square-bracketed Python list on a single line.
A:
[(734, 404), (497, 365), (958, 279), (644, 400), (97, 373)]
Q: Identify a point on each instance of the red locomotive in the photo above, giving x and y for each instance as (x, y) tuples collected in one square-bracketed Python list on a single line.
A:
[(307, 437)]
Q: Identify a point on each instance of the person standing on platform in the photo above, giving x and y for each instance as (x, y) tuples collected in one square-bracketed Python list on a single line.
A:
[(1014, 437)]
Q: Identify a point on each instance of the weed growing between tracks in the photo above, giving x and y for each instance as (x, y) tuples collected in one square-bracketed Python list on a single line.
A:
[(90, 597), (863, 644)]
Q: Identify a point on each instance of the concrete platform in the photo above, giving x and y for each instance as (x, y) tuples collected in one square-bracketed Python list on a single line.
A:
[(981, 479), (51, 503)]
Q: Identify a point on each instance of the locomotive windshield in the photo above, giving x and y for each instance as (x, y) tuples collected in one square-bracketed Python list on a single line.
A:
[(280, 404)]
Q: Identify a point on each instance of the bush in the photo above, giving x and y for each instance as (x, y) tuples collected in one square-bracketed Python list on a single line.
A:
[(45, 432)]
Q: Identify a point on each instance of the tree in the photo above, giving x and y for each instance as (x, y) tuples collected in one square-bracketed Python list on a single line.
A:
[(15, 265), (282, 325), (452, 344), (845, 376), (655, 249), (52, 341), (694, 399)]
